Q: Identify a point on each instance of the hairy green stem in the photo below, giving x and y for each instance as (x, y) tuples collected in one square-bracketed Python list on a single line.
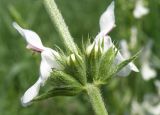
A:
[(58, 20), (96, 100)]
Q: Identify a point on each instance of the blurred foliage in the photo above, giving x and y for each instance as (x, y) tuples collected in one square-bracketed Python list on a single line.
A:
[(18, 68)]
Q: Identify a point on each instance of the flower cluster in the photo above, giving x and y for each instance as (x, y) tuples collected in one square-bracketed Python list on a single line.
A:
[(96, 63)]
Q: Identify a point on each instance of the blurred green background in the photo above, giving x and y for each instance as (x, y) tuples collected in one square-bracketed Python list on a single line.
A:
[(19, 68)]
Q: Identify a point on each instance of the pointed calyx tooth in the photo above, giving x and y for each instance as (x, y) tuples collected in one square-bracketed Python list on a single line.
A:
[(89, 49), (133, 67), (73, 59)]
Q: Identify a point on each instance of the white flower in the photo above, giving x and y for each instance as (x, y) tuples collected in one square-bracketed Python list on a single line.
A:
[(140, 10), (146, 70), (107, 23), (48, 62)]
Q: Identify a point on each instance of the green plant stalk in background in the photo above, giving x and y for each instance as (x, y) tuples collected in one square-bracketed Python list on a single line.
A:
[(58, 20), (93, 91)]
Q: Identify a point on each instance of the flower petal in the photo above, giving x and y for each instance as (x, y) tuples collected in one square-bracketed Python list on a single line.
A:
[(107, 22), (51, 57), (45, 70), (48, 63), (31, 93), (33, 40), (107, 19)]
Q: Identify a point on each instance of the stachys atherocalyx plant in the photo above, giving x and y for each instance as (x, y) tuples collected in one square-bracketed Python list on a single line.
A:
[(76, 70)]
